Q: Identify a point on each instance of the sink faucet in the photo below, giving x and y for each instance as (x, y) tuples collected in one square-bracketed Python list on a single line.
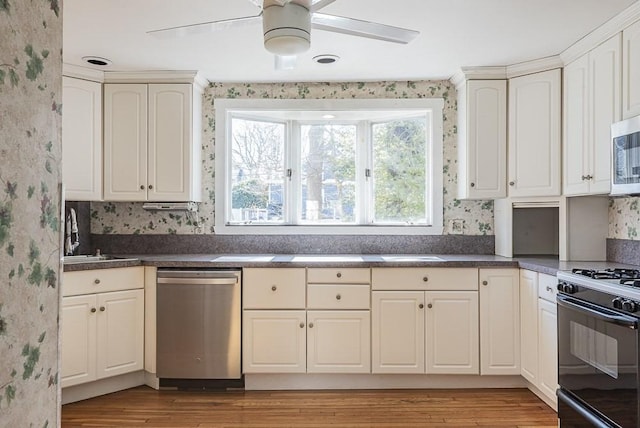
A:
[(72, 241)]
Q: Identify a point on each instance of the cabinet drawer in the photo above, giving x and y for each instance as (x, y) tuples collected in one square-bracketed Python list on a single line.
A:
[(547, 287), (102, 280), (338, 296), (339, 276), (459, 279), (273, 288)]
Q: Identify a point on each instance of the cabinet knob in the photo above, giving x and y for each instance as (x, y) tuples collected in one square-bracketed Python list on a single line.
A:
[(142, 187), (549, 289), (425, 278), (421, 305), (485, 283), (339, 275), (102, 309), (274, 288), (472, 184), (301, 325), (512, 183), (96, 281), (430, 305), (338, 297), (584, 177), (93, 310), (589, 177), (310, 325), (150, 186)]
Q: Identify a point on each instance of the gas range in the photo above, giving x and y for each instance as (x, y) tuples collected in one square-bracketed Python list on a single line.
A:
[(617, 289)]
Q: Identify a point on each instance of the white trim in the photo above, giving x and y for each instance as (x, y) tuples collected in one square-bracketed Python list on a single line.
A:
[(478, 73), (70, 70), (224, 106), (535, 66), (505, 72), (192, 77)]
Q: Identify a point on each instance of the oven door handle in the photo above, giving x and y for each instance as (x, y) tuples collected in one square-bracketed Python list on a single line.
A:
[(596, 312)]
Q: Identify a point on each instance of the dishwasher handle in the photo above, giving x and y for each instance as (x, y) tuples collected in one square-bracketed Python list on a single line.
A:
[(199, 281)]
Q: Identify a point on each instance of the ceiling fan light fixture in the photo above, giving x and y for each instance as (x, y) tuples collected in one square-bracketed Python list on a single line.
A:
[(287, 29)]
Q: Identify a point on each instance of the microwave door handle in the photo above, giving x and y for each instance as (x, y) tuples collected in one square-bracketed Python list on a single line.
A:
[(611, 317)]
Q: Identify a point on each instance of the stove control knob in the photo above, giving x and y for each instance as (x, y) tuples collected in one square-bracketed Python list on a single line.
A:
[(569, 288), (630, 306), (560, 286), (617, 302)]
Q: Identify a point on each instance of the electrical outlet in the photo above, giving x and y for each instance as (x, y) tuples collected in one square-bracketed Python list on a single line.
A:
[(456, 226)]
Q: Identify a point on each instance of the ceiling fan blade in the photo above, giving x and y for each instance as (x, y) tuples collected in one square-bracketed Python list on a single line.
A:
[(285, 62), (357, 27), (206, 27), (316, 5)]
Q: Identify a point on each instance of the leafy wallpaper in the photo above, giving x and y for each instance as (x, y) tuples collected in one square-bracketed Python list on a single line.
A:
[(624, 218), (130, 218), (30, 118)]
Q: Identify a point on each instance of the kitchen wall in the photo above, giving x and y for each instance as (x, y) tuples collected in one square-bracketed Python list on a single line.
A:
[(30, 123), (624, 218), (130, 218)]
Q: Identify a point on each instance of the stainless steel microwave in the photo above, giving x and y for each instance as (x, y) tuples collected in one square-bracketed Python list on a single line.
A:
[(625, 157)]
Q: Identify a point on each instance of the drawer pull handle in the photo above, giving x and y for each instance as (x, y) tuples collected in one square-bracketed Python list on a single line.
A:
[(93, 310), (485, 283), (338, 297), (425, 278), (421, 306), (430, 305), (96, 281), (339, 275), (310, 325), (274, 288), (549, 289), (301, 325), (102, 309)]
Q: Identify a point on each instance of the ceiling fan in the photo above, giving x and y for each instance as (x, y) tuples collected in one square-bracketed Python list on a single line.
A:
[(287, 27)]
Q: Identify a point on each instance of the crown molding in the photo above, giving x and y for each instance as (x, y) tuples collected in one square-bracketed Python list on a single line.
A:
[(84, 73), (535, 66), (505, 72), (192, 77), (602, 33), (478, 73)]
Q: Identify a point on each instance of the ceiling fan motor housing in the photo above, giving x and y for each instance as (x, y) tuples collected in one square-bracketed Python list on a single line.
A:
[(287, 29)]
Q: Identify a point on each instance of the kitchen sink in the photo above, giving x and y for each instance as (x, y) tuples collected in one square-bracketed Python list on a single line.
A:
[(321, 259), (240, 258), (411, 258), (91, 259)]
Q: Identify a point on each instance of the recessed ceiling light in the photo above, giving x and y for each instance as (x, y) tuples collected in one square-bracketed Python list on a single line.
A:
[(326, 59), (96, 60)]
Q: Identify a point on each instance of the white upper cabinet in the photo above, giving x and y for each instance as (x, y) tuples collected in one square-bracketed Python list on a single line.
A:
[(631, 71), (152, 142), (534, 134), (592, 91), (482, 139), (82, 139)]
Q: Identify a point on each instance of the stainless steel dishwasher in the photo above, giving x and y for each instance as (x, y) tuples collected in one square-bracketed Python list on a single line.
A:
[(198, 324)]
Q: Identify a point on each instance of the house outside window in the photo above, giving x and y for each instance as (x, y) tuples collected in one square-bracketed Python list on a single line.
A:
[(329, 166)]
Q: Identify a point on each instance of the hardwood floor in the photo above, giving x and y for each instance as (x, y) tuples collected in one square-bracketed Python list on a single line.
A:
[(145, 407)]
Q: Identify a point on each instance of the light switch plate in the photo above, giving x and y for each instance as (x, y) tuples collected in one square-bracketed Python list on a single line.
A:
[(456, 226)]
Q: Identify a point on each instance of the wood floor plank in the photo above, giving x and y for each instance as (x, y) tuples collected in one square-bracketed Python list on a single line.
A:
[(145, 407)]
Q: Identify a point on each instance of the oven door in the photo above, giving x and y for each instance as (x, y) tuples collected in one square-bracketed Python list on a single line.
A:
[(597, 363)]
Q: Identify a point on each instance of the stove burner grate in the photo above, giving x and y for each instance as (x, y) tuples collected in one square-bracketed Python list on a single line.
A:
[(618, 273)]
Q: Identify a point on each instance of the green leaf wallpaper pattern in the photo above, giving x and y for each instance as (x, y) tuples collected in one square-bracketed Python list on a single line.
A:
[(5, 6)]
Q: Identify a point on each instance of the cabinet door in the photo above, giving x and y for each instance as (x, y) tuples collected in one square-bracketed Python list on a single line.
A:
[(397, 332), (576, 127), (82, 139), (452, 332), (338, 342), (529, 325), (482, 143), (78, 342), (499, 321), (120, 332), (605, 109), (170, 136), (548, 348), (274, 342), (125, 142), (534, 134), (631, 71)]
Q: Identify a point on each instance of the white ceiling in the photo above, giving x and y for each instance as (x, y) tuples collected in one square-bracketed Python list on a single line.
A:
[(453, 34)]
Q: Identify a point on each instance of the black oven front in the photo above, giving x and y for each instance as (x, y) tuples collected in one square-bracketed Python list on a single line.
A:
[(598, 359)]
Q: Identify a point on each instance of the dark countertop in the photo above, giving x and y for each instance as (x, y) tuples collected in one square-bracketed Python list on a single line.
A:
[(548, 266)]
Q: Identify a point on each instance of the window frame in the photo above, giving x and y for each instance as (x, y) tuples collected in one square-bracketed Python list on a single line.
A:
[(224, 108)]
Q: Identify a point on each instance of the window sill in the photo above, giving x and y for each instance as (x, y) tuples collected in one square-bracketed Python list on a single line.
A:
[(326, 230)]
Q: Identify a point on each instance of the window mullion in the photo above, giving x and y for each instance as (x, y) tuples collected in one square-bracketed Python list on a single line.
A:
[(363, 183), (293, 182)]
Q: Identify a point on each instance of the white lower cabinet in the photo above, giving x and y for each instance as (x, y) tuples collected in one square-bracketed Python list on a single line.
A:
[(430, 331), (529, 325), (102, 335), (274, 341), (548, 348), (499, 321)]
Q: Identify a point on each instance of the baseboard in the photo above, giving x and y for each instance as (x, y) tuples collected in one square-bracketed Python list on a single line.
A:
[(151, 380), (257, 382), (71, 394), (549, 401)]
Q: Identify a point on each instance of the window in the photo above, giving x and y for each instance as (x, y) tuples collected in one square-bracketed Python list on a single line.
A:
[(329, 166)]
